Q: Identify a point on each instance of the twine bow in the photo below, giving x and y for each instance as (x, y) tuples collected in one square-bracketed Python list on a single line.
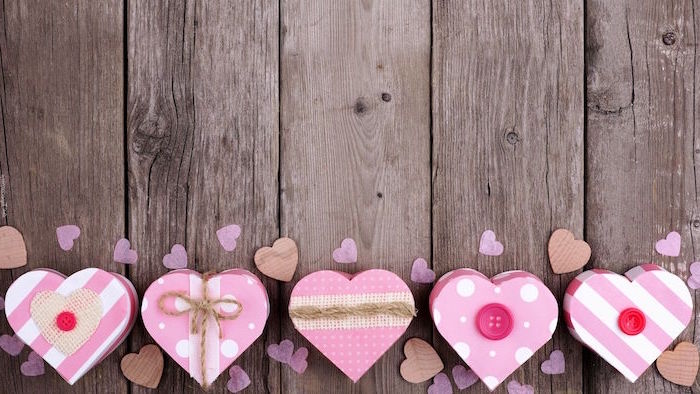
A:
[(202, 310)]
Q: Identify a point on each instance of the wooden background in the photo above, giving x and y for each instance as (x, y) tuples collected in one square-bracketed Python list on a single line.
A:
[(408, 125)]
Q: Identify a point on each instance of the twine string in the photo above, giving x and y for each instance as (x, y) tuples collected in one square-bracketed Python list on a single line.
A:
[(367, 309), (202, 310)]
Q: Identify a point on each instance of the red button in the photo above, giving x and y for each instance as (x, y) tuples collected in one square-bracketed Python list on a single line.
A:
[(494, 321), (66, 321), (631, 321)]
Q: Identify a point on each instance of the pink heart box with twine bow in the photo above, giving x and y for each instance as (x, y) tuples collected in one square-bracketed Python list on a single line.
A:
[(73, 323), (205, 320)]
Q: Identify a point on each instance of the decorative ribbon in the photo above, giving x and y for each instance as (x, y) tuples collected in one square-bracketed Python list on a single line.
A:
[(202, 310), (396, 308)]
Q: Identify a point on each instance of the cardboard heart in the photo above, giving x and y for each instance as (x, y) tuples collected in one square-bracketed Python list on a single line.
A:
[(680, 365), (566, 254), (422, 361), (496, 324), (13, 251), (168, 317), (366, 312), (279, 261), (628, 320), (38, 292), (144, 368)]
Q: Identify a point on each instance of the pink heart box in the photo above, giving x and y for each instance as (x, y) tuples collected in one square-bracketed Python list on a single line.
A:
[(118, 300), (174, 334), (352, 343), (497, 324), (604, 311)]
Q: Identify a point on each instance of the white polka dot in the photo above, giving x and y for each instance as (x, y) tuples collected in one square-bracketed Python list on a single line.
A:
[(526, 324), (436, 316), (529, 292), (463, 319), (522, 354), (497, 290), (465, 287), (181, 304), (491, 382), (160, 281), (552, 326), (251, 326), (161, 326), (462, 349), (226, 306), (492, 353), (229, 348), (144, 305), (183, 348)]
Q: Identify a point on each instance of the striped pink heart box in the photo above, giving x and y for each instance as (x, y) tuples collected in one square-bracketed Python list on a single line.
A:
[(352, 319), (73, 322), (169, 318), (496, 324), (628, 320)]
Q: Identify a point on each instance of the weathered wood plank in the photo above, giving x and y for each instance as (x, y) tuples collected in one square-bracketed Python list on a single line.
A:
[(203, 148), (508, 147), (641, 148), (62, 151), (355, 157)]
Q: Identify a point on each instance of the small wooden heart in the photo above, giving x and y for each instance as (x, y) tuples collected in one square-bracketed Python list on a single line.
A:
[(13, 251), (679, 365), (567, 254), (422, 361), (279, 261), (144, 368)]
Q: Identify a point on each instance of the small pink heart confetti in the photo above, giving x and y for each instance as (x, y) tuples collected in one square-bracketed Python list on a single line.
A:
[(514, 387), (420, 273), (282, 352), (298, 360), (123, 252), (346, 253), (239, 379), (488, 245), (694, 278), (669, 246), (34, 366), (228, 235), (463, 378), (12, 345), (177, 258), (66, 235), (441, 385), (555, 365)]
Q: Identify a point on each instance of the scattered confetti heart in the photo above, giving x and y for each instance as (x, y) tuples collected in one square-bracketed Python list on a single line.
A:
[(422, 361), (176, 259), (463, 377), (282, 352), (488, 245), (13, 250), (298, 360), (279, 261), (555, 365), (228, 235), (12, 345), (34, 366), (347, 252), (441, 385), (144, 368), (680, 365), (239, 379), (694, 278), (420, 273), (566, 253), (514, 387), (669, 246), (66, 235), (123, 252)]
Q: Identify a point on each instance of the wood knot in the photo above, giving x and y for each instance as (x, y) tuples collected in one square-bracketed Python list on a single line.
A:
[(380, 195), (386, 97), (696, 223), (360, 107), (512, 137), (669, 38)]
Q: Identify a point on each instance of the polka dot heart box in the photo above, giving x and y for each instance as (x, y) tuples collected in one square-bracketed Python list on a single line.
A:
[(497, 324), (72, 322), (204, 322)]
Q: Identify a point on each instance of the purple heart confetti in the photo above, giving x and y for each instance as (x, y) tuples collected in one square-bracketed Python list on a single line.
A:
[(346, 253), (420, 273), (12, 345), (555, 365), (298, 360), (514, 387), (488, 245), (34, 366), (441, 385), (239, 379), (177, 258), (694, 278), (123, 252), (66, 235), (463, 377), (669, 246), (228, 235), (282, 352)]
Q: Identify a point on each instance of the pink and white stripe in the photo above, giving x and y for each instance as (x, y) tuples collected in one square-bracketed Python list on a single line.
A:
[(118, 299), (595, 299)]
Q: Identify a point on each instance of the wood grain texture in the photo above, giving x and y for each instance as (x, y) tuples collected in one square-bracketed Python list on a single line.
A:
[(641, 151), (508, 148), (355, 147), (62, 151), (203, 149)]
